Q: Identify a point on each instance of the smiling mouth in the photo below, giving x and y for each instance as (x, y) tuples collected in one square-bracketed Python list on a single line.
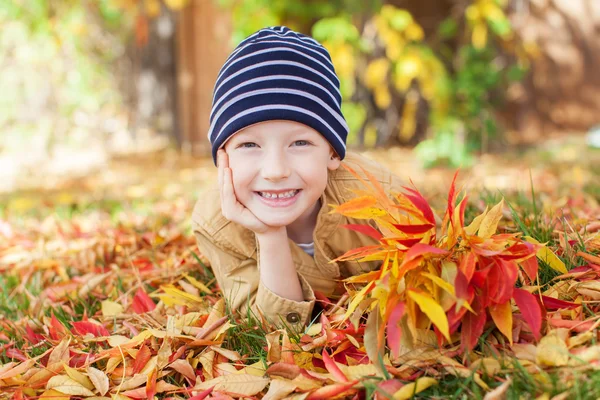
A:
[(280, 196)]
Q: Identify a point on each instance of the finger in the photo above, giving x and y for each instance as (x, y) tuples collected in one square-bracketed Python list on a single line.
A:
[(220, 167), (228, 201)]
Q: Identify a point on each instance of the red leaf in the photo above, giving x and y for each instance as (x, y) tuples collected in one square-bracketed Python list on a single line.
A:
[(461, 285), (365, 229), (421, 204), (467, 266), (452, 197), (530, 309), (555, 304), (141, 359), (394, 332), (333, 368), (84, 327), (414, 229), (530, 266), (472, 326), (142, 302), (33, 337), (57, 329)]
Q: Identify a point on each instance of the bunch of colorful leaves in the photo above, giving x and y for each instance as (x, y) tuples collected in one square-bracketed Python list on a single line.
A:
[(459, 281)]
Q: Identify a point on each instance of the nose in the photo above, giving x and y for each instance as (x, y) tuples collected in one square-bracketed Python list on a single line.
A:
[(275, 166)]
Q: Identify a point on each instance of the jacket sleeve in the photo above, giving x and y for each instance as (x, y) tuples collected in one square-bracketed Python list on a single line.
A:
[(239, 280)]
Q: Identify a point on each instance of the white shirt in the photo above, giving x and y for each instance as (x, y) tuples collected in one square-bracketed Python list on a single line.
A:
[(308, 247)]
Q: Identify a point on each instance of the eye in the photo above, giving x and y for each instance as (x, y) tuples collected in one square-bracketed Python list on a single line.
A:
[(302, 142), (247, 145)]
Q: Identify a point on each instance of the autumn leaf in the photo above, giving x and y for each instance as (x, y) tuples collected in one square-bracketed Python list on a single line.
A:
[(99, 380), (66, 385), (552, 351), (433, 310), (530, 309), (502, 316), (489, 224), (142, 302), (247, 385), (409, 390), (548, 256)]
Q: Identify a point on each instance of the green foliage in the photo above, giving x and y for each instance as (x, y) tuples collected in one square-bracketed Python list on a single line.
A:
[(460, 71), (56, 74)]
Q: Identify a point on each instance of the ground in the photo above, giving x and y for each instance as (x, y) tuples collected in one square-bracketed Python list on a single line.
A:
[(103, 293)]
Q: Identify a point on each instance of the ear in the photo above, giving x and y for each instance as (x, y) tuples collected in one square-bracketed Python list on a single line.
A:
[(334, 161)]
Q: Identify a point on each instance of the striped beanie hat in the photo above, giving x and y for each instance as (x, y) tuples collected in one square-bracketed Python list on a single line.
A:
[(278, 74)]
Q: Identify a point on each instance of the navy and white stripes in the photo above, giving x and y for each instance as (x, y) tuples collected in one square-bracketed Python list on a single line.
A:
[(278, 74)]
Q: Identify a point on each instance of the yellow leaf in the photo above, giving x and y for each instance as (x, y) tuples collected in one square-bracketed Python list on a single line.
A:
[(248, 385), (502, 316), (152, 8), (440, 282), (433, 310), (546, 255), (54, 395), (99, 379), (176, 4), (256, 369), (479, 37), (376, 72), (79, 377), (489, 224), (66, 385), (174, 296), (476, 223), (198, 284), (111, 308), (408, 122), (552, 351), (357, 299), (409, 390)]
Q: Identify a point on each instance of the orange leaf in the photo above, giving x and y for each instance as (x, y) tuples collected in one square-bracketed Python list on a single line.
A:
[(151, 384), (365, 229), (141, 359), (355, 205), (329, 391), (502, 316)]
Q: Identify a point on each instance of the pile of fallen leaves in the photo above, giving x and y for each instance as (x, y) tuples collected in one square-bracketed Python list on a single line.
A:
[(122, 307)]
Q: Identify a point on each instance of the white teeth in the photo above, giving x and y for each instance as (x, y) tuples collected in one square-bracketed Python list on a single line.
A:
[(267, 195)]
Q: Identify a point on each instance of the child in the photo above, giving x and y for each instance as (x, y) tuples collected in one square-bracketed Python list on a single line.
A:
[(278, 139)]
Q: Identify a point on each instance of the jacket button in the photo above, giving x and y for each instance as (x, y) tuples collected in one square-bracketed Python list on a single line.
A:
[(293, 318)]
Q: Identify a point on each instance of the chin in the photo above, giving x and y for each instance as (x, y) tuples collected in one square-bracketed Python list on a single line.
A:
[(276, 220)]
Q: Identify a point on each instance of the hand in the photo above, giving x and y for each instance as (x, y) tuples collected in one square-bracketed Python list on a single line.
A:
[(231, 208)]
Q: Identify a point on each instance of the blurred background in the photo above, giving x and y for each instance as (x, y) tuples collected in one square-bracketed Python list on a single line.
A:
[(113, 96)]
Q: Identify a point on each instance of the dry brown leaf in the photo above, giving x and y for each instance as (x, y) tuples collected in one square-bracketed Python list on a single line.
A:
[(66, 385), (279, 389), (184, 368), (247, 385), (60, 352), (552, 351), (99, 379), (499, 393)]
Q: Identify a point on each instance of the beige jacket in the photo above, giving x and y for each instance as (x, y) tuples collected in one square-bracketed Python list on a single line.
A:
[(233, 250)]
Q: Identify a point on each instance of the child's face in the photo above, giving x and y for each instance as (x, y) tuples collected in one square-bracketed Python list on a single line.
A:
[(279, 156)]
